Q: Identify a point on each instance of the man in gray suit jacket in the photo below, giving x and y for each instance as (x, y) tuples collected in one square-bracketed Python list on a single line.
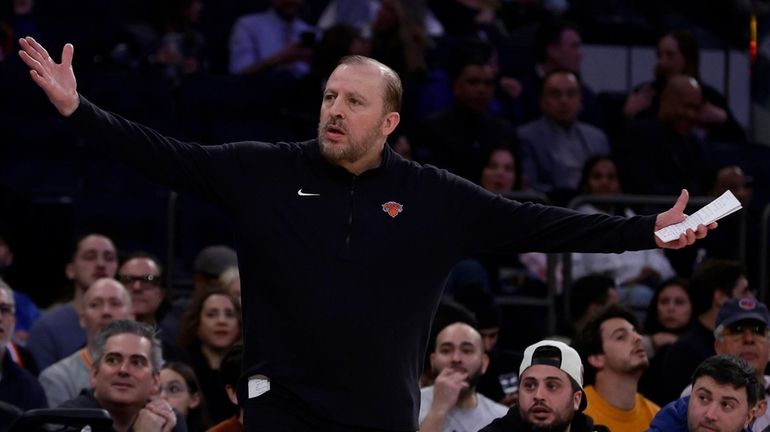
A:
[(555, 146)]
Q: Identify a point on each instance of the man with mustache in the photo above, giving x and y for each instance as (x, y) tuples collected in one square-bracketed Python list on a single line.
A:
[(336, 234), (611, 349), (742, 331), (452, 403), (551, 396)]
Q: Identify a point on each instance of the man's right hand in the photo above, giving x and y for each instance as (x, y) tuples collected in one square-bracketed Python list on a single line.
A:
[(447, 387), (56, 79)]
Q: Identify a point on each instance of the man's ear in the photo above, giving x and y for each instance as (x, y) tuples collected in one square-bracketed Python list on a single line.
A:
[(156, 383), (596, 361), (389, 123), (576, 399), (756, 411), (484, 363), (69, 270)]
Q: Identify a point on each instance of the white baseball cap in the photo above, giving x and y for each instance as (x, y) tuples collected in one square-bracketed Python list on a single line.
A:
[(559, 355)]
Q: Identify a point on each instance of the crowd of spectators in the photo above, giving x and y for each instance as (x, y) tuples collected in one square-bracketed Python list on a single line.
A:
[(493, 93)]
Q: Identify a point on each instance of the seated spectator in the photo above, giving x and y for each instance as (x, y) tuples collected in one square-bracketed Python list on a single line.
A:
[(452, 402), (727, 397), (556, 146), (142, 276), (588, 296), (610, 347), (272, 42), (743, 330), (209, 265), (125, 380), (669, 142), (636, 273), (209, 329), (712, 284), (558, 46), (231, 372), (551, 395), (677, 53), (457, 138), (501, 380), (58, 333), (179, 386), (105, 301), (668, 315), (18, 386)]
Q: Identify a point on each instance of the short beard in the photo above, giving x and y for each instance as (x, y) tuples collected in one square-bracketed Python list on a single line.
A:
[(559, 424), (473, 381), (354, 151)]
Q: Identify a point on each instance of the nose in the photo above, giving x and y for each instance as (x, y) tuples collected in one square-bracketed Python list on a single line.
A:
[(335, 108), (538, 395), (711, 413), (748, 336)]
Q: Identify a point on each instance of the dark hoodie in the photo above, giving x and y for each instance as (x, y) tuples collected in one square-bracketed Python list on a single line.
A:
[(512, 422)]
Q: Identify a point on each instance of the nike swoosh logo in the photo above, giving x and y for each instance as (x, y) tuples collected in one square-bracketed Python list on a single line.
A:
[(300, 193)]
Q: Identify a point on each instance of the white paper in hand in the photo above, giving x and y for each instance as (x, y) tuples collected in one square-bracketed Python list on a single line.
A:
[(712, 212)]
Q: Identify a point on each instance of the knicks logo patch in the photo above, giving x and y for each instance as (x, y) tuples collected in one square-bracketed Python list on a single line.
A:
[(392, 208)]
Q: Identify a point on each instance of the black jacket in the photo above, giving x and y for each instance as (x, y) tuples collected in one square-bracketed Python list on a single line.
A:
[(341, 274), (512, 422)]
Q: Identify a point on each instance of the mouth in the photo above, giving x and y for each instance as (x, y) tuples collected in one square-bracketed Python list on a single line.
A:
[(122, 386), (334, 131), (540, 413)]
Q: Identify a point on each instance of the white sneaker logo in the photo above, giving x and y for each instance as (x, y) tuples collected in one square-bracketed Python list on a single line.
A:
[(300, 193)]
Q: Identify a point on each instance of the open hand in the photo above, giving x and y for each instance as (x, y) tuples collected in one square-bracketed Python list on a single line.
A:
[(56, 79)]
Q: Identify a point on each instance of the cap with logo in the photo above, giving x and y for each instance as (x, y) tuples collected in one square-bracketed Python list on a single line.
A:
[(559, 355), (742, 309)]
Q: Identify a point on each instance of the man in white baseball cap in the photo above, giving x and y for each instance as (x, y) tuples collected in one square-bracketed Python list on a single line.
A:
[(551, 393)]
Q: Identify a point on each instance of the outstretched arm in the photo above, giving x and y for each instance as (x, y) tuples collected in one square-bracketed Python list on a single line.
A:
[(56, 79), (675, 215)]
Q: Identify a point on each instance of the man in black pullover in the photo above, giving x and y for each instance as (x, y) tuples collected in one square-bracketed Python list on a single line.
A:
[(342, 244)]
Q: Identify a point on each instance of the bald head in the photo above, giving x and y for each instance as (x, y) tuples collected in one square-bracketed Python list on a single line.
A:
[(460, 331), (680, 102), (105, 301)]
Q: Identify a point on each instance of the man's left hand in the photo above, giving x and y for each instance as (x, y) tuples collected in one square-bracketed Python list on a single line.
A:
[(674, 215)]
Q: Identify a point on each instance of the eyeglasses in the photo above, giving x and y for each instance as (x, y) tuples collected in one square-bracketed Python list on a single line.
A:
[(145, 279), (7, 310), (740, 328), (173, 388)]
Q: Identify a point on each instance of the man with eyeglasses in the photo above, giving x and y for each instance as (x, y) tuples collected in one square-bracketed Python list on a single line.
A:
[(743, 330), (142, 275), (18, 386)]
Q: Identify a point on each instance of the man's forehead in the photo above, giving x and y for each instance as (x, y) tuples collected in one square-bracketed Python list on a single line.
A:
[(96, 242), (128, 344), (614, 324), (356, 75), (458, 333), (544, 372), (718, 390)]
